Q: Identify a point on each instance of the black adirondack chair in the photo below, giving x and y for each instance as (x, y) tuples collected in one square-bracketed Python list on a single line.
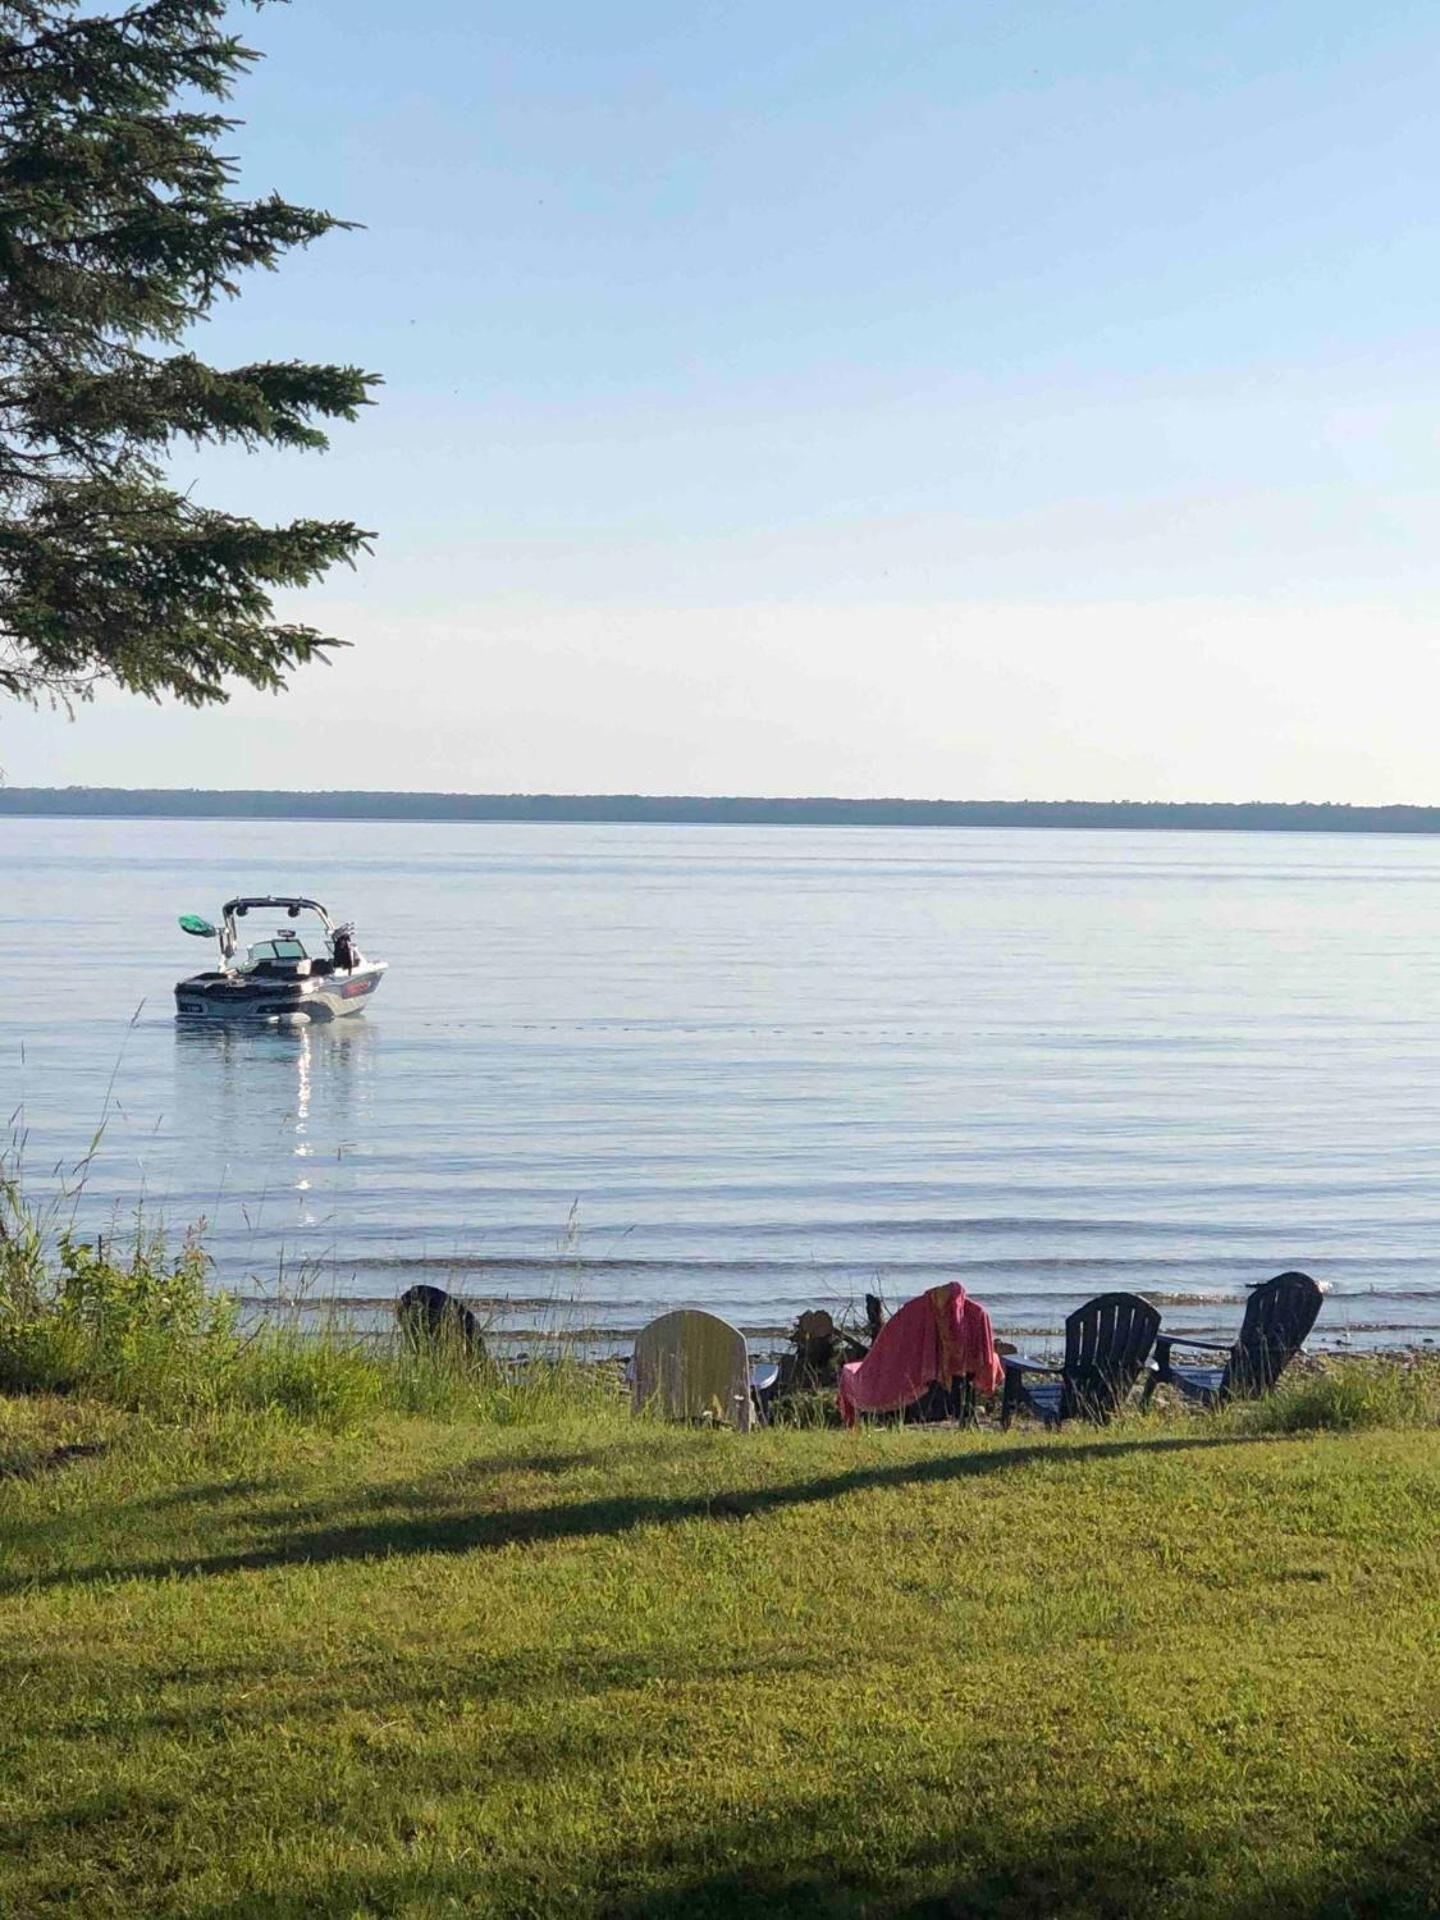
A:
[(1107, 1342), (1278, 1317), (955, 1402)]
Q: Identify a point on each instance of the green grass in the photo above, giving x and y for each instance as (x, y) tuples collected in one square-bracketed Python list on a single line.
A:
[(576, 1668)]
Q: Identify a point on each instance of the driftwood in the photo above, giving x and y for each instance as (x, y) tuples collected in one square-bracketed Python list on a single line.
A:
[(818, 1350)]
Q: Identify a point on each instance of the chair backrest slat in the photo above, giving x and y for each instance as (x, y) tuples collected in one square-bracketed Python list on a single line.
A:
[(1107, 1342), (1278, 1317)]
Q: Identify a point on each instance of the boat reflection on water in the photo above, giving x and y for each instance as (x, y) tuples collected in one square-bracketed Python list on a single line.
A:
[(269, 1048), (274, 1122)]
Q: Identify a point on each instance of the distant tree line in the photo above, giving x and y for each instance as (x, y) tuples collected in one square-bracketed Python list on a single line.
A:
[(199, 803)]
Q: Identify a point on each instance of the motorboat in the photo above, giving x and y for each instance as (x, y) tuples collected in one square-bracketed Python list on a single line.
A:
[(281, 980)]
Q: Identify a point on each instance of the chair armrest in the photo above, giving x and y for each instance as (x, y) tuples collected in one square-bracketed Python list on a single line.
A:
[(1021, 1365), (1164, 1342)]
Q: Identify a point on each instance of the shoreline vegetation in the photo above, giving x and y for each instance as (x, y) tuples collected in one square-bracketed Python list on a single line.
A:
[(578, 809), (136, 1323), (133, 1319)]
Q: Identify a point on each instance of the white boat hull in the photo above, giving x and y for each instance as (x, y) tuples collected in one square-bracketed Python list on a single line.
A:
[(272, 1002)]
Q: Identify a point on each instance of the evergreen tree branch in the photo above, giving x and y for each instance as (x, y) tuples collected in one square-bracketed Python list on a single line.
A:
[(119, 229)]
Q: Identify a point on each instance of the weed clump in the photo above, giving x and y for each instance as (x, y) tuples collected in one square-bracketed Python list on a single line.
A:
[(139, 1330), (1371, 1390)]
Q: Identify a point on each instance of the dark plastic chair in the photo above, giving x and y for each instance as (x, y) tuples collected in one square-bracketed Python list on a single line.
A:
[(1278, 1317), (1107, 1342), (955, 1402)]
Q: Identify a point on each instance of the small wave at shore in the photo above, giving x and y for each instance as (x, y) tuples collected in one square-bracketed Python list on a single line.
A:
[(598, 1336), (579, 1264), (315, 1302), (517, 1321)]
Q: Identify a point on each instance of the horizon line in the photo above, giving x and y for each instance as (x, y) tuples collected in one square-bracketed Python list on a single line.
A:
[(420, 805)]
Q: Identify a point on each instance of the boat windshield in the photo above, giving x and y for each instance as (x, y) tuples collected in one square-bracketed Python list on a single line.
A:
[(284, 946)]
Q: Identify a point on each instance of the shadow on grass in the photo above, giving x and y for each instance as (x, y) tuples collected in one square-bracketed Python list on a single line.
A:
[(209, 1493), (209, 1500), (974, 1871), (30, 1467), (529, 1679), (417, 1528), (1095, 1880)]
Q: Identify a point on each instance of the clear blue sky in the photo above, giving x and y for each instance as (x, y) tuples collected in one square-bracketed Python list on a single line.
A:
[(928, 398)]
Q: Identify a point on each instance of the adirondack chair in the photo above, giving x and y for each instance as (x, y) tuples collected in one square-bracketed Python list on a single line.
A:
[(1107, 1342), (1278, 1317), (696, 1366)]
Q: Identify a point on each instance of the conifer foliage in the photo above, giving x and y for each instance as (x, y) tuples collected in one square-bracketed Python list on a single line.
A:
[(120, 229)]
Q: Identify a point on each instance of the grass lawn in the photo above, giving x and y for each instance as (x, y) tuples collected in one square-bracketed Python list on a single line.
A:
[(615, 1668)]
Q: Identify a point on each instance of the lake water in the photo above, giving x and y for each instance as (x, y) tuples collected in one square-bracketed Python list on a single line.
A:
[(619, 1068)]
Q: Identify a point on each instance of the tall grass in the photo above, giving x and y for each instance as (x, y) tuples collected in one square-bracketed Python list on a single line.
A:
[(136, 1323), (1361, 1390)]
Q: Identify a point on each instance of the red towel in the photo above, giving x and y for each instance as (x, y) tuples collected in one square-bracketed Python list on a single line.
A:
[(936, 1336)]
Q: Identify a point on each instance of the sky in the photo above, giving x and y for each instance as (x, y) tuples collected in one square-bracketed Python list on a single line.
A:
[(949, 400)]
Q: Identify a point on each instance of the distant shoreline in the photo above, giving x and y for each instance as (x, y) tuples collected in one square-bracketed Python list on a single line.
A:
[(156, 803)]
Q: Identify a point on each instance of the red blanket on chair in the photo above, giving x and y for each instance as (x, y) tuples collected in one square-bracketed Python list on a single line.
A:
[(936, 1336)]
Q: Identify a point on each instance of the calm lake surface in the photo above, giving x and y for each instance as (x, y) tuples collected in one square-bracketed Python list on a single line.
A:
[(619, 1068)]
